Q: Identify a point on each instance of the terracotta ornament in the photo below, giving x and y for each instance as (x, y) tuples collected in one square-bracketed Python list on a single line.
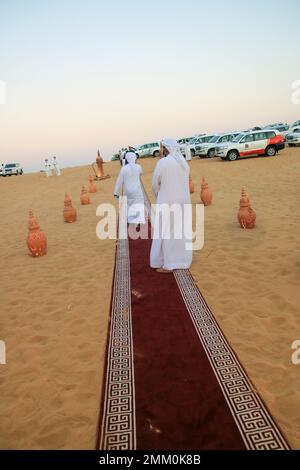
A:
[(93, 188), (246, 215), (84, 198), (70, 214), (36, 239), (206, 194), (100, 172), (192, 186)]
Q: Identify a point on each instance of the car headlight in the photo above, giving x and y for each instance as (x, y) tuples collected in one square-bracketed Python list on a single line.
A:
[(224, 147)]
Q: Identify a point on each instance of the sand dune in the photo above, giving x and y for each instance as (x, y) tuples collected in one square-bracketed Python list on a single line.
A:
[(55, 309)]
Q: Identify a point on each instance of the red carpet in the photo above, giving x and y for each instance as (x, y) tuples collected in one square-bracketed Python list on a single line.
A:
[(172, 381)]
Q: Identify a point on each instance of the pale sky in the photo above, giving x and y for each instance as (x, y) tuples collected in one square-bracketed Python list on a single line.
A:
[(89, 74)]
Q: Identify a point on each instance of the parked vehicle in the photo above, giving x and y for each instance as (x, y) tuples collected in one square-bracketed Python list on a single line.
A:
[(12, 169), (186, 140), (208, 148), (148, 150), (267, 142), (296, 124), (275, 125), (255, 128), (293, 138), (282, 129), (196, 141)]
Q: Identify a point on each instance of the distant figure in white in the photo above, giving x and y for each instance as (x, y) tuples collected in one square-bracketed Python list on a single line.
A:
[(56, 166), (129, 181), (47, 167), (2, 353), (172, 238), (188, 153)]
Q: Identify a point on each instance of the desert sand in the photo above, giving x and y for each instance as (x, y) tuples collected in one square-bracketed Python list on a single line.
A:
[(55, 309)]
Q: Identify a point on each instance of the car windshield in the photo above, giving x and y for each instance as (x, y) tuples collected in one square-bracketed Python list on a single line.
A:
[(10, 165), (214, 138), (196, 139), (238, 138)]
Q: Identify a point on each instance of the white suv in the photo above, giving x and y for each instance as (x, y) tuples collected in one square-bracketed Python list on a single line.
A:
[(296, 124), (198, 139), (12, 169), (264, 142), (208, 148), (293, 138), (148, 150)]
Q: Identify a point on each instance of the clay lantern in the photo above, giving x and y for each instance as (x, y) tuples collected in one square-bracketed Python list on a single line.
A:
[(100, 172), (93, 188), (36, 239), (246, 215), (70, 214), (192, 186), (206, 194), (84, 198)]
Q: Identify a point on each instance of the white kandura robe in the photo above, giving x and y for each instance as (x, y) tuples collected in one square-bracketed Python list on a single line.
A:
[(170, 184), (48, 169), (56, 168), (188, 153), (129, 181)]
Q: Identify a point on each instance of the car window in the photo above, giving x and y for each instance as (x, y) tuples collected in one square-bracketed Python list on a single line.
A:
[(225, 138), (270, 135), (247, 138), (214, 139), (260, 136), (238, 138)]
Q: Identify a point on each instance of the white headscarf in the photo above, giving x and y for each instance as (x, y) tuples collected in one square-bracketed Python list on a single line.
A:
[(131, 158), (174, 150)]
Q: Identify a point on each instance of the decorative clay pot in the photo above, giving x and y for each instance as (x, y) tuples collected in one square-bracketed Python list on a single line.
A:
[(93, 188), (206, 194), (246, 215), (84, 198), (192, 186), (36, 239), (70, 214)]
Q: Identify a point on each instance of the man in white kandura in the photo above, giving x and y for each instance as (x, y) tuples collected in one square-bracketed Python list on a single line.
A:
[(188, 153), (172, 237), (47, 167), (129, 181), (56, 166)]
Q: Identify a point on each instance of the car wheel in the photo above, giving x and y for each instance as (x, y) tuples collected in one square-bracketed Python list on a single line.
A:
[(156, 154), (192, 152), (271, 151), (232, 155), (211, 153)]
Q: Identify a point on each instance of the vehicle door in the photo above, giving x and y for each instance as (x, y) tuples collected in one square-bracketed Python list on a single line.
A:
[(247, 146)]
